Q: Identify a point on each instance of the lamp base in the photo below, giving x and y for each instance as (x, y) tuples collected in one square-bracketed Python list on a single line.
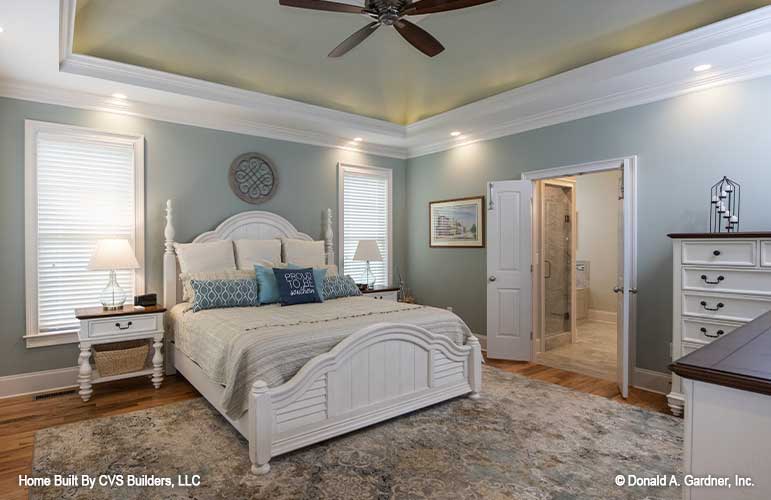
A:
[(113, 296)]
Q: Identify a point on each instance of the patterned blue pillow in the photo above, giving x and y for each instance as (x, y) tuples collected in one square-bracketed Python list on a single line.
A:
[(296, 286), (339, 286), (213, 294)]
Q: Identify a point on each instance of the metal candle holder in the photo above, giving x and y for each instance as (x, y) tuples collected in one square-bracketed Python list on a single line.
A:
[(725, 202)]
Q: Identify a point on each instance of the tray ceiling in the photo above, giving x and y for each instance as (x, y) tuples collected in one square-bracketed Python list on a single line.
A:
[(257, 45)]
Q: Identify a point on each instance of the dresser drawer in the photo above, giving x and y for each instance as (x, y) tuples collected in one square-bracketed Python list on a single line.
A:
[(725, 307), (125, 325), (727, 280), (765, 253), (704, 332), (720, 253)]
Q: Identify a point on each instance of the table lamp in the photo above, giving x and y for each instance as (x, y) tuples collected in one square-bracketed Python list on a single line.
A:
[(367, 250), (110, 255)]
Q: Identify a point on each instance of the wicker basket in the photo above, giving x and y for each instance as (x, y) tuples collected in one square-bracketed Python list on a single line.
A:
[(120, 357)]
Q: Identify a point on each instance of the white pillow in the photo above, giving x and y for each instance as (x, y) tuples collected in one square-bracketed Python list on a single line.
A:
[(251, 252), (304, 253), (203, 257)]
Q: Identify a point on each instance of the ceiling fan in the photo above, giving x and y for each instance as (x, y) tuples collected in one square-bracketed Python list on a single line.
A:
[(389, 13)]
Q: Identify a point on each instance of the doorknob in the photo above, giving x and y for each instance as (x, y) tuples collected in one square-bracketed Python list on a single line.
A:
[(618, 289), (633, 290), (492, 278)]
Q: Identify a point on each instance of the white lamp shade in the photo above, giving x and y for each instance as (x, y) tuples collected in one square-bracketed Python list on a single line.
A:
[(112, 254), (367, 250)]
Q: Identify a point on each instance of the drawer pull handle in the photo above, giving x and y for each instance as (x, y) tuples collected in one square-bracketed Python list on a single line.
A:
[(716, 253), (717, 333), (716, 282), (720, 305), (128, 325)]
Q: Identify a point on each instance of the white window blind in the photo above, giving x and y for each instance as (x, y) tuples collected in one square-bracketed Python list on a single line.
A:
[(366, 215), (85, 189)]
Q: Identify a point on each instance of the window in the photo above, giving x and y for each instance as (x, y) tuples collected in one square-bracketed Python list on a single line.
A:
[(82, 185), (365, 214)]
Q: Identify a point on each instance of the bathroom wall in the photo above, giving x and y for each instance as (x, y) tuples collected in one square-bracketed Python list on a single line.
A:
[(597, 211)]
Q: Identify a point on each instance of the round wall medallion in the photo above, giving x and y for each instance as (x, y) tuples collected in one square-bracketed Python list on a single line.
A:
[(252, 178)]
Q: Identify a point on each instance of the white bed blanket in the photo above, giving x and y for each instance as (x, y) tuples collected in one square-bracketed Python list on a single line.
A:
[(237, 346)]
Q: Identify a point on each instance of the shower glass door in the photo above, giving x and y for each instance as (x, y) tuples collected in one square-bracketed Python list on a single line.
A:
[(557, 246)]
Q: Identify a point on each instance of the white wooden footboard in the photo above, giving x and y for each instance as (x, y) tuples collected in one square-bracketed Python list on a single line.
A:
[(380, 372)]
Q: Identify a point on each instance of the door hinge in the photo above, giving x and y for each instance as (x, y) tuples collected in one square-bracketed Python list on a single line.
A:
[(567, 315), (531, 335), (531, 268), (567, 219)]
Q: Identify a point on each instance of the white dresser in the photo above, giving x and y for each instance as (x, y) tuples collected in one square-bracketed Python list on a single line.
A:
[(720, 282)]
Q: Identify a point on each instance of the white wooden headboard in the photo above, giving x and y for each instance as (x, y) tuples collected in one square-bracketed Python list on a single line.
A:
[(253, 225)]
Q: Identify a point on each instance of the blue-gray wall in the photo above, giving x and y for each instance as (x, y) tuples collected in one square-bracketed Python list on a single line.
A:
[(683, 144), (187, 164)]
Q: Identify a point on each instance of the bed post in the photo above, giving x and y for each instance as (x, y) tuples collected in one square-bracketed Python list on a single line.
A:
[(475, 368), (329, 236), (169, 262), (169, 288), (260, 424)]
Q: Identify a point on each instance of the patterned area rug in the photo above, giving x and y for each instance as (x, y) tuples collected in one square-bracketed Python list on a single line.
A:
[(524, 439)]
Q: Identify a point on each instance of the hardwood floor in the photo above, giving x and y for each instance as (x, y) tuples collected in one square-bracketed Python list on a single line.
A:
[(584, 383), (21, 417)]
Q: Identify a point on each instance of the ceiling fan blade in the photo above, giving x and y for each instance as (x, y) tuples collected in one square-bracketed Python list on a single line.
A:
[(354, 40), (322, 5), (419, 38), (432, 6)]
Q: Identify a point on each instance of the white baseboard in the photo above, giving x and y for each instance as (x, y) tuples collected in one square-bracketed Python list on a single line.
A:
[(652, 381), (43, 381), (604, 316), (482, 341)]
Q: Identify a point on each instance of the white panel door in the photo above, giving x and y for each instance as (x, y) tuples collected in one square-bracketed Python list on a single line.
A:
[(508, 270), (626, 283)]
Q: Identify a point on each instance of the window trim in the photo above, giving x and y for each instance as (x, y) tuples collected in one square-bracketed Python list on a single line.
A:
[(387, 173), (32, 129)]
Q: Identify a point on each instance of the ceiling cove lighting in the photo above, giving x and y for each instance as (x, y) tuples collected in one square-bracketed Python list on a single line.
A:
[(455, 133), (702, 67)]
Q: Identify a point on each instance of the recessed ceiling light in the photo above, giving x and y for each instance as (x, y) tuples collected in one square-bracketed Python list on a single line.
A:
[(1, 29), (702, 67), (357, 139), (455, 133), (119, 96)]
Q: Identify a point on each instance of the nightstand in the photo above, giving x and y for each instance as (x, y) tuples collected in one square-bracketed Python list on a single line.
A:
[(98, 326), (382, 293)]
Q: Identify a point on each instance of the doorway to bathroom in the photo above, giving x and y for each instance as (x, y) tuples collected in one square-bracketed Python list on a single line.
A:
[(577, 234)]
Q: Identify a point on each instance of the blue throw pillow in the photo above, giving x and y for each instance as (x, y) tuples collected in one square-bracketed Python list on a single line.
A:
[(335, 287), (296, 286), (213, 294), (267, 282), (319, 274)]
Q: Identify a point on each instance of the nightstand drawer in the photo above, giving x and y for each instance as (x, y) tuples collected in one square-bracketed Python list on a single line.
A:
[(383, 295), (123, 325)]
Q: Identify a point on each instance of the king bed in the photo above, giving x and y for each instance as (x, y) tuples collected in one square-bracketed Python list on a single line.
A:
[(288, 377)]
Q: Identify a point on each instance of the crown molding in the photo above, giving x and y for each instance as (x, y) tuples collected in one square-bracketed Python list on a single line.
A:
[(738, 47), (194, 117)]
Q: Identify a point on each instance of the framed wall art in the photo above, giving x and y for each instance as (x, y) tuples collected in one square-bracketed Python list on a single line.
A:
[(458, 223)]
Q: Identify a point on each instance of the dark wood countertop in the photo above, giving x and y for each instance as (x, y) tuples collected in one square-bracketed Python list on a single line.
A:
[(127, 310), (749, 234), (741, 359)]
